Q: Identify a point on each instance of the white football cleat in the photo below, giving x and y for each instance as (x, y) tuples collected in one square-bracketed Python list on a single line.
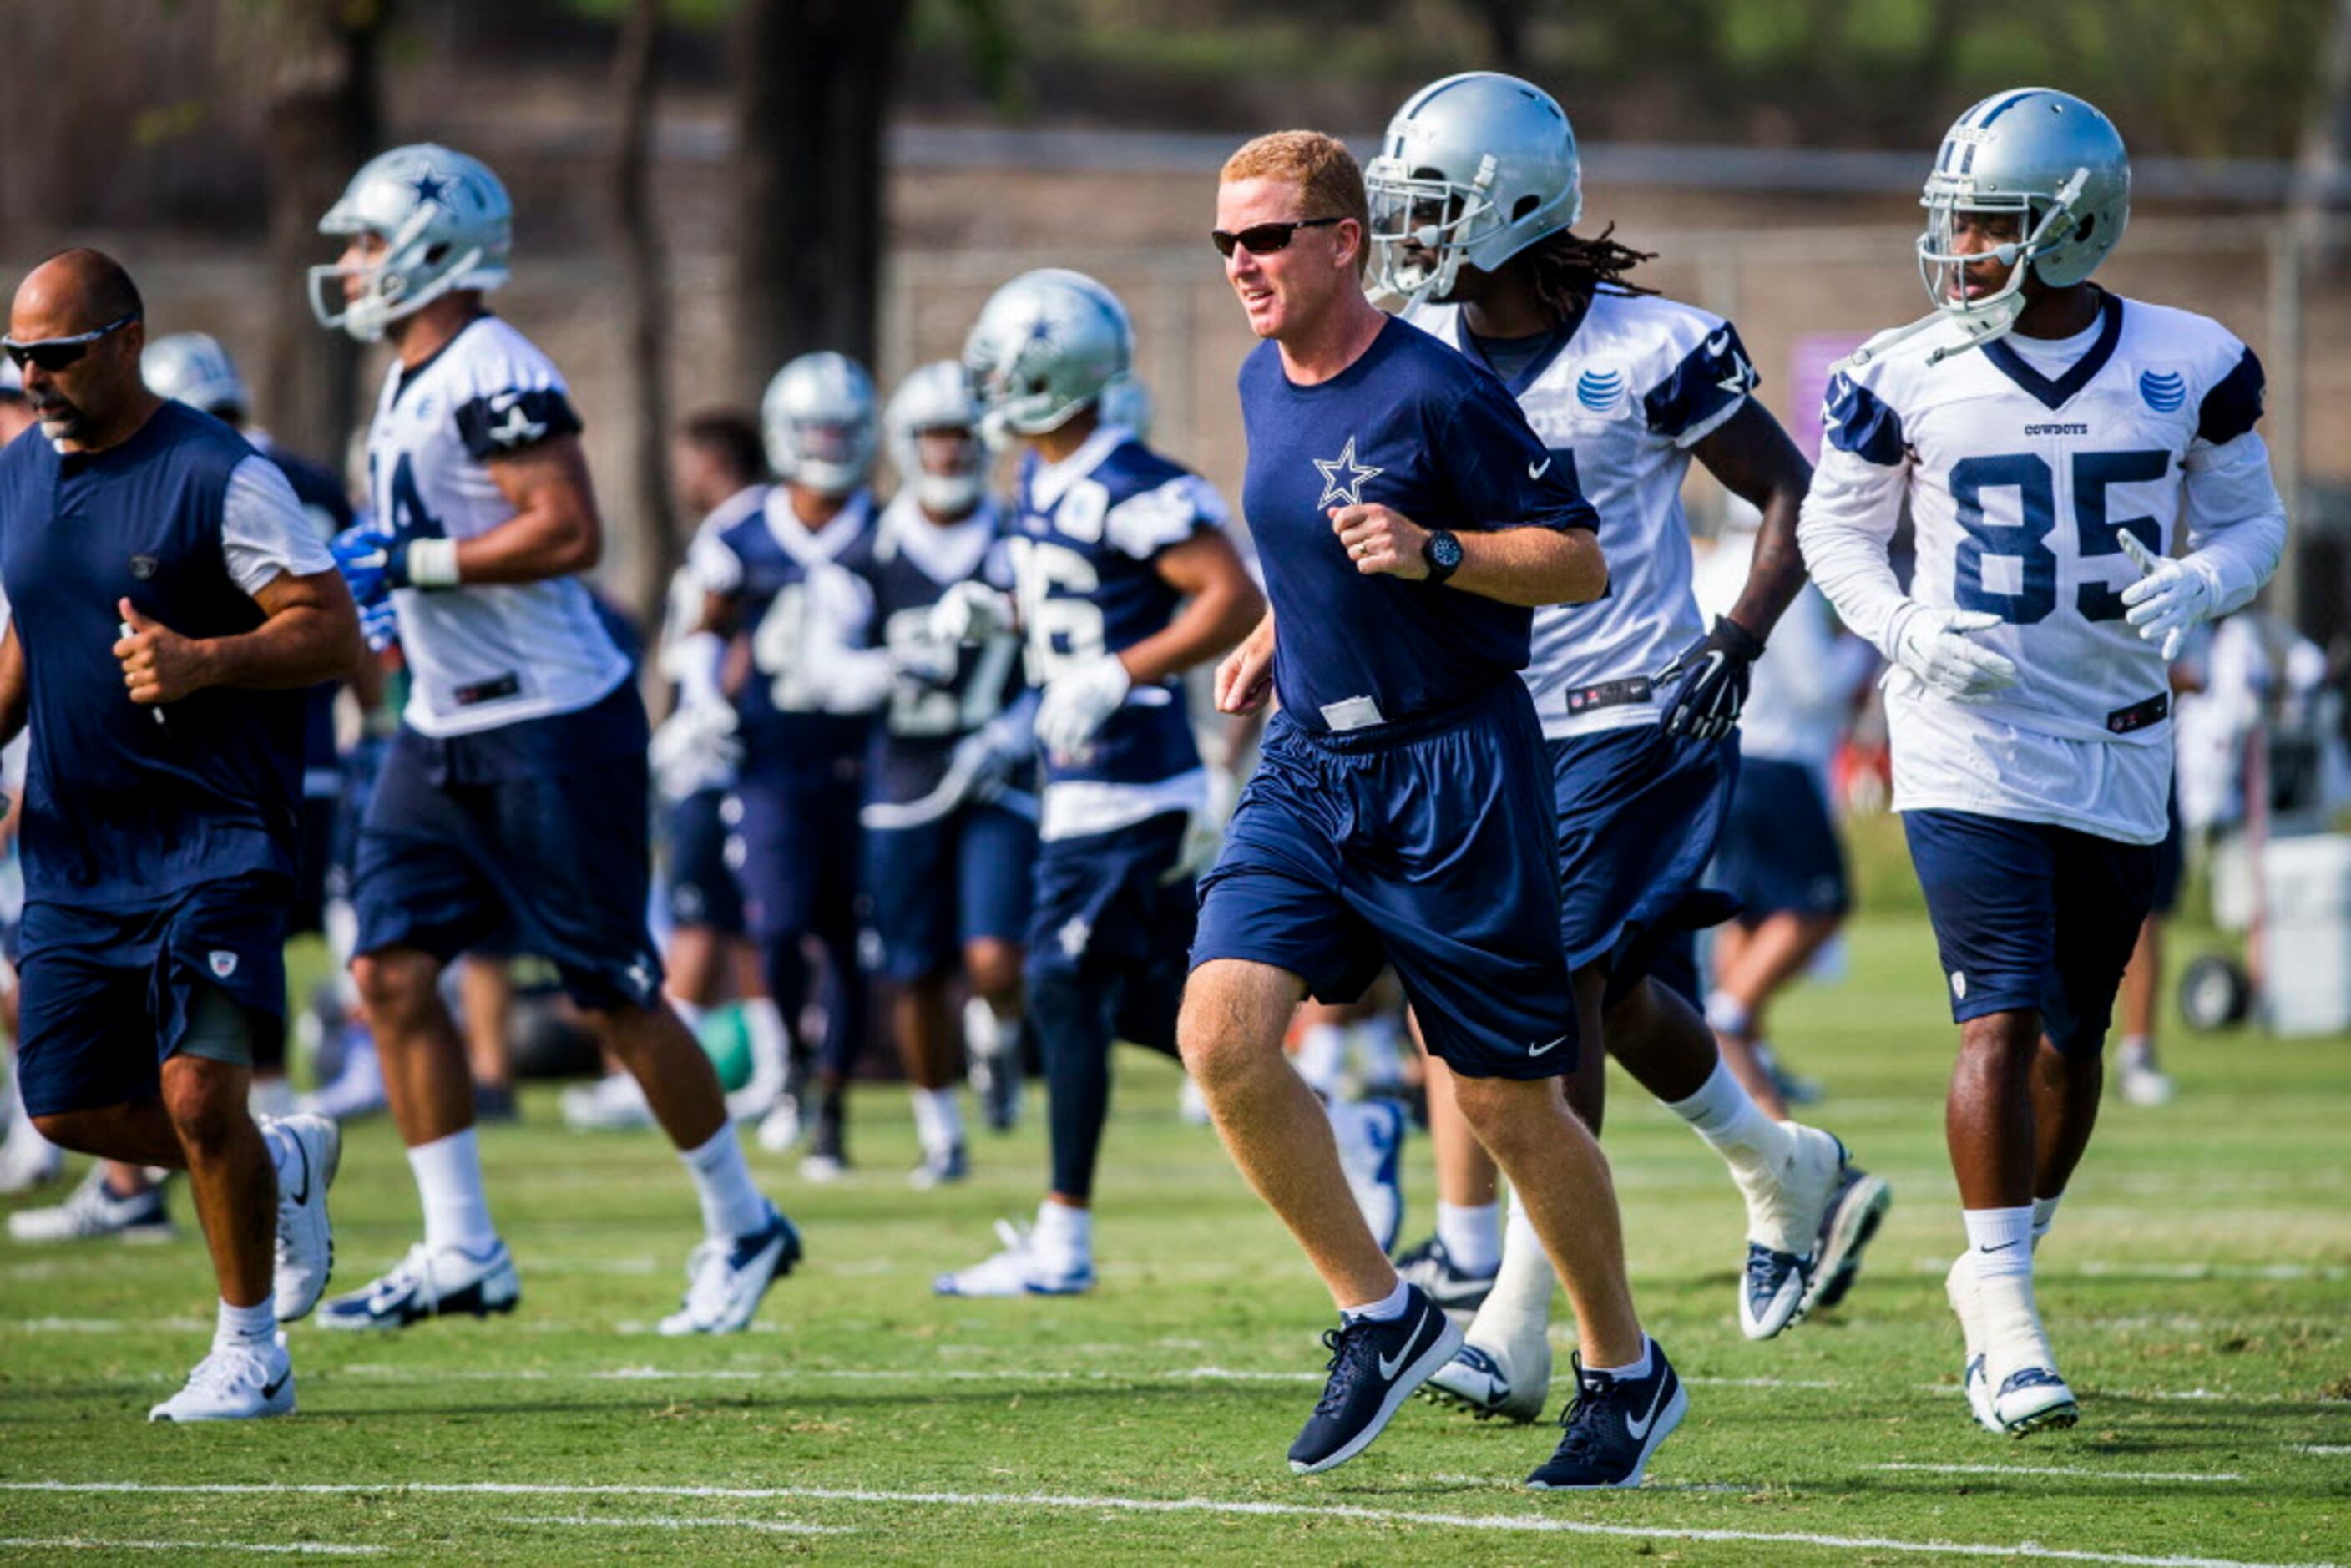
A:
[(614, 1103), (725, 1279), (1370, 1135), (2140, 1081), (1959, 1289), (306, 1149), (782, 1127), (430, 1283), (28, 1160), (1512, 1382), (235, 1383), (2034, 1399), (91, 1212), (1021, 1269)]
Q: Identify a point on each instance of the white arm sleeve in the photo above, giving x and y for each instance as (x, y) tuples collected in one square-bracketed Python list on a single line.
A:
[(264, 532), (2236, 520), (1847, 523), (714, 563)]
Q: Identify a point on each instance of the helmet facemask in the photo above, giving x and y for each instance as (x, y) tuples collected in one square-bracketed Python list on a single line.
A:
[(1423, 225), (387, 294), (829, 456), (2048, 222)]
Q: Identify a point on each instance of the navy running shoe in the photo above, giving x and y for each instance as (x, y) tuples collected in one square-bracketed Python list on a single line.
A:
[(1613, 1427), (1374, 1367), (1856, 1210), (430, 1282)]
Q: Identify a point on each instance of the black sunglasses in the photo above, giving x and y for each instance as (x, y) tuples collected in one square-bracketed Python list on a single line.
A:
[(1264, 239), (57, 353)]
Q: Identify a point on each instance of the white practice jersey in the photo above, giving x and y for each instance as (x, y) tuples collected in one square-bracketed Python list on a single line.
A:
[(1621, 401), (490, 654), (689, 658), (2018, 462)]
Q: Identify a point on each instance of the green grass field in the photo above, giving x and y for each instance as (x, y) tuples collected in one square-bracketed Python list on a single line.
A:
[(2199, 1286)]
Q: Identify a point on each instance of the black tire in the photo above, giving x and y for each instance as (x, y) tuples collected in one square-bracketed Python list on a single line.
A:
[(2214, 993)]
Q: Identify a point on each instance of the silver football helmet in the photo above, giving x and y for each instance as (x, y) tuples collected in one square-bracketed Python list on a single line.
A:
[(194, 369), (447, 223), (2045, 155), (1045, 346), (1473, 170), (817, 419), (1126, 402), (937, 397)]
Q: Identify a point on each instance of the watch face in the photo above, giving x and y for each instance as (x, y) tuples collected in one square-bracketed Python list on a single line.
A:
[(1444, 550)]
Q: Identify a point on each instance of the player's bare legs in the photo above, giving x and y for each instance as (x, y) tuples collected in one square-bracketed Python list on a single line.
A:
[(426, 1075), (1555, 1166), (1988, 1119), (1234, 1014), (486, 995), (2065, 1092), (1466, 1172), (229, 1172), (662, 1054), (1751, 966)]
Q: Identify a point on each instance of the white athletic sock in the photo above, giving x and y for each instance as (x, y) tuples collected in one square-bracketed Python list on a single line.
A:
[(1637, 1370), (1379, 1048), (1520, 1303), (456, 1208), (938, 1120), (2044, 1215), (1724, 1015), (689, 1013), (1322, 1054), (1734, 1127), (250, 1326), (1386, 1310), (1999, 1242), (1065, 1234), (731, 1205), (1472, 1235)]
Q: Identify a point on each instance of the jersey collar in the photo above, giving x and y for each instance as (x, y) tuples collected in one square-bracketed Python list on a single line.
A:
[(808, 546), (1560, 337), (1049, 482), (946, 555), (2054, 394)]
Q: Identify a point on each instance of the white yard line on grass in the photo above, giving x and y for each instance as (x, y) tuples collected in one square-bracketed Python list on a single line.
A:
[(670, 1522), (2068, 1472), (2320, 1449), (396, 1373), (1537, 1524), (2101, 1269), (102, 1543)]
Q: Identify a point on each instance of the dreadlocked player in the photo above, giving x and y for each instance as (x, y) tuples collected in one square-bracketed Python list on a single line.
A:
[(1474, 199)]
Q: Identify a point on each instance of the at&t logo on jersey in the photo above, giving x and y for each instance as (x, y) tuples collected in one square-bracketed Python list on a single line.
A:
[(2164, 391), (1600, 390)]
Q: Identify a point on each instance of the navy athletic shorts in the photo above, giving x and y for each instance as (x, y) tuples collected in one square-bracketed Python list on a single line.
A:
[(934, 888), (1425, 843), (2030, 915), (529, 838), (107, 995), (1779, 853)]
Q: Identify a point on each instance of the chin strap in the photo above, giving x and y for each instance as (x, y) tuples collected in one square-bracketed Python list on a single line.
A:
[(1979, 327)]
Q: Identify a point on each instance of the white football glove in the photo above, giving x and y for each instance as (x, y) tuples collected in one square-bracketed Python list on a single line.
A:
[(2170, 600), (970, 613), (1203, 831), (1075, 704), (695, 747), (1932, 644)]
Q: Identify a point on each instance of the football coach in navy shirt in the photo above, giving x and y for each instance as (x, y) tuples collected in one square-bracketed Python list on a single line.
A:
[(1407, 520), (171, 603)]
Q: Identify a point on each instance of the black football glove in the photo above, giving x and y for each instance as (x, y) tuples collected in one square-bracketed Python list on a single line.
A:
[(1708, 681)]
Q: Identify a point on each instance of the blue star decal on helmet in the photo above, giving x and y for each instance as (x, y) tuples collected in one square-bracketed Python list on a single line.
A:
[(1343, 478), (432, 187), (1041, 331)]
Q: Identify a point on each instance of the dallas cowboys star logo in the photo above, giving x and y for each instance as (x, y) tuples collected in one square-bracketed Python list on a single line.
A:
[(1343, 478), (432, 187)]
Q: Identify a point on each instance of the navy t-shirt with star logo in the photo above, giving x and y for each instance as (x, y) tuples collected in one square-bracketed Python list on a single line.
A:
[(1413, 425)]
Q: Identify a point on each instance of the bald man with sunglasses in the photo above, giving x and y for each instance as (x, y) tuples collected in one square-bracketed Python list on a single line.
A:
[(170, 601)]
